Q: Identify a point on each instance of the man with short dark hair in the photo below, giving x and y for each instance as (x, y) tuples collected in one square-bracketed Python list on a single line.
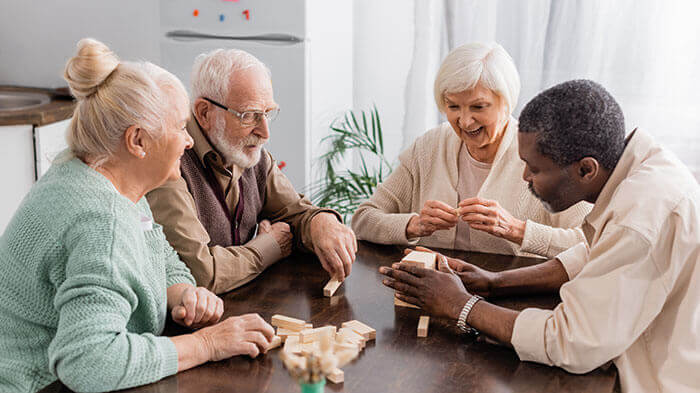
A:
[(631, 295)]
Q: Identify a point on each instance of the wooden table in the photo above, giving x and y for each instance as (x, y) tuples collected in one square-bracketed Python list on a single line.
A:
[(398, 361)]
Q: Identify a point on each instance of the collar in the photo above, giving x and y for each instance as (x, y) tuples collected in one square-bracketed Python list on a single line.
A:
[(637, 149), (206, 153)]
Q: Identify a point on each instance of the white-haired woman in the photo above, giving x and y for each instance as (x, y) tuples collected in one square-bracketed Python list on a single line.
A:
[(87, 277), (460, 186)]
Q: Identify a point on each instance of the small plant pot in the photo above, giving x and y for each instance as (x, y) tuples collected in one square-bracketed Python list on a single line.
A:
[(317, 387)]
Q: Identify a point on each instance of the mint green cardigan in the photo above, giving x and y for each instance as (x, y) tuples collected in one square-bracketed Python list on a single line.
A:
[(83, 288)]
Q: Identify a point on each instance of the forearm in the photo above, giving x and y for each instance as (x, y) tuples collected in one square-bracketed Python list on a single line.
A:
[(493, 321), (191, 351), (545, 277)]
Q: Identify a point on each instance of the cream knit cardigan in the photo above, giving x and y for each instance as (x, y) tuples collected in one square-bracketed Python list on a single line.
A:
[(428, 170)]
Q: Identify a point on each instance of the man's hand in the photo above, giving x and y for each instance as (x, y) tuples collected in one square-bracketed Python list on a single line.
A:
[(434, 216), (488, 216), (438, 292), (197, 307), (475, 279), (282, 234), (334, 244)]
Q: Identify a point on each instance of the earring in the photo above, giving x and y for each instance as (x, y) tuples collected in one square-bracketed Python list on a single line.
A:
[(143, 154)]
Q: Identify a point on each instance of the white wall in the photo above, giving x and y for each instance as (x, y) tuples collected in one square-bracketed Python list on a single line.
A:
[(383, 48), (38, 37)]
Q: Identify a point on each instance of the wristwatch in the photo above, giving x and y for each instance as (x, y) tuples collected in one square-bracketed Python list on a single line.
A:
[(462, 320)]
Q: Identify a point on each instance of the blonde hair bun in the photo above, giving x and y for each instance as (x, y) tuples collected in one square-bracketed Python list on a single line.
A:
[(89, 68)]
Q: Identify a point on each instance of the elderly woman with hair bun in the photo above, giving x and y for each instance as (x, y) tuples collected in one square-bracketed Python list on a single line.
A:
[(87, 276), (460, 185)]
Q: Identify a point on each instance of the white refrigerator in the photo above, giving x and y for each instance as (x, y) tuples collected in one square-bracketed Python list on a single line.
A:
[(307, 44)]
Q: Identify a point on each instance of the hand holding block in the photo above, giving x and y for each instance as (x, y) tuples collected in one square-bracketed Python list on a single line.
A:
[(401, 303), (285, 322), (331, 287), (423, 326), (276, 341)]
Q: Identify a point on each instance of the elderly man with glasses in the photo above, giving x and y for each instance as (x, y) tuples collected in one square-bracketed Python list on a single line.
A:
[(233, 213)]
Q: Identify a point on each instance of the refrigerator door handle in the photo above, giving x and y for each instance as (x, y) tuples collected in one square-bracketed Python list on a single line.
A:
[(272, 38)]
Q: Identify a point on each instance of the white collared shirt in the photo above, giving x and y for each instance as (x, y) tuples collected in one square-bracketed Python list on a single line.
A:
[(634, 294)]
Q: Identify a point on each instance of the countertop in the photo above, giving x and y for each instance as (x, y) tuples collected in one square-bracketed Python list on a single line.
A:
[(59, 108)]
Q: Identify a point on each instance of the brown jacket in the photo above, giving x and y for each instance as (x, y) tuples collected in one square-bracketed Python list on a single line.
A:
[(223, 268)]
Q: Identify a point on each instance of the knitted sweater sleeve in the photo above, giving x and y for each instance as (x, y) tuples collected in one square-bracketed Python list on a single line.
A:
[(92, 349), (384, 217), (561, 232)]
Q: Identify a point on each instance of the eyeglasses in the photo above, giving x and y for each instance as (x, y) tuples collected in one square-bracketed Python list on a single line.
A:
[(249, 118)]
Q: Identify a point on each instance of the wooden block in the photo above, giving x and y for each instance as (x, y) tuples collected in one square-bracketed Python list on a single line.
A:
[(362, 329), (292, 345), (308, 326), (347, 334), (336, 376), (309, 335), (288, 323), (423, 326), (311, 348), (401, 303), (331, 287), (421, 259), (284, 333), (276, 341)]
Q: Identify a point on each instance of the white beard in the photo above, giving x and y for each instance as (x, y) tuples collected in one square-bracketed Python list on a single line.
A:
[(233, 153)]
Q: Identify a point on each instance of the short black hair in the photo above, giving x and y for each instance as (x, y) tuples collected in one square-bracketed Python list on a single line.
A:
[(576, 119)]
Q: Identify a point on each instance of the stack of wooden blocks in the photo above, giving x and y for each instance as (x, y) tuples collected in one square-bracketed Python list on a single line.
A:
[(426, 260), (335, 347)]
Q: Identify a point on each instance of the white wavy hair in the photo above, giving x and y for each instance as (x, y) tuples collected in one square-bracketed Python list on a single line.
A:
[(487, 64), (212, 72)]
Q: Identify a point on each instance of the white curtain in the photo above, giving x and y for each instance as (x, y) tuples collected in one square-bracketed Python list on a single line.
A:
[(645, 52)]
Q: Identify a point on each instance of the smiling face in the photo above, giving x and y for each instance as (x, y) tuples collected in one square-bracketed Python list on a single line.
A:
[(478, 117), (251, 90)]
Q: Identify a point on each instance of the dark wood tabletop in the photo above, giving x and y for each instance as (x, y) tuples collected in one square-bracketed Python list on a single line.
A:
[(398, 361)]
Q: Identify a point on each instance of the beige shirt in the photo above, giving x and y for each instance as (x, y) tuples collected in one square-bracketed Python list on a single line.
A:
[(634, 294), (222, 269), (472, 174), (428, 170)]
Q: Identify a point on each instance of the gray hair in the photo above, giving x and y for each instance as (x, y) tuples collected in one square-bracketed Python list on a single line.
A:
[(212, 72), (576, 119), (114, 95), (487, 64)]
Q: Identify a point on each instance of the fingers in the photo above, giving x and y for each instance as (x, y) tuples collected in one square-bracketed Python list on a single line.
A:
[(258, 339), (480, 209), (443, 265), (189, 301), (480, 219), (476, 201), (264, 226), (202, 306), (250, 349), (347, 261), (409, 299), (178, 313), (331, 263), (401, 286), (396, 273), (255, 322), (439, 214)]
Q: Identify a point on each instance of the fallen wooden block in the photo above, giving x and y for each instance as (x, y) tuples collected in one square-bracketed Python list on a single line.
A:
[(292, 345), (284, 333), (401, 303), (349, 335), (309, 335), (362, 329), (331, 287), (288, 322), (276, 341), (423, 326), (336, 376), (313, 347)]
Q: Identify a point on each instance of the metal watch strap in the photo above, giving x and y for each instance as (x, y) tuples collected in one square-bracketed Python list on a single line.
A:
[(462, 320)]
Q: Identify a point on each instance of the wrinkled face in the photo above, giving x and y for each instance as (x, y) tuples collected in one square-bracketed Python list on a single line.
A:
[(555, 186), (251, 90), (171, 145), (477, 115)]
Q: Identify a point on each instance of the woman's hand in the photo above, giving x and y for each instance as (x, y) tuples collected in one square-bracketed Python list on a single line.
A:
[(438, 292), (488, 216), (434, 216), (475, 279), (196, 307), (247, 334)]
